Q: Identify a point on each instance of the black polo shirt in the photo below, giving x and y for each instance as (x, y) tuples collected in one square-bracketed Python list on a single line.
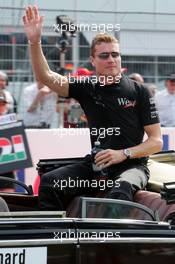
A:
[(116, 113)]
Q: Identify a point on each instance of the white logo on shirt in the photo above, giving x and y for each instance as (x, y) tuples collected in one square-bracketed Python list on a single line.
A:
[(126, 103)]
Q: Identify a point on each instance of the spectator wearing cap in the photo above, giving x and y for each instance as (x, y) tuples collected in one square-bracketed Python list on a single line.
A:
[(5, 186), (82, 72), (165, 100)]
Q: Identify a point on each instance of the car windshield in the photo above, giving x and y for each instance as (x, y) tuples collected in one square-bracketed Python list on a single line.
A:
[(115, 209)]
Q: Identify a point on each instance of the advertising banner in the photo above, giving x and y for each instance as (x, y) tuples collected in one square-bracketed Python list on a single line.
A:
[(14, 150)]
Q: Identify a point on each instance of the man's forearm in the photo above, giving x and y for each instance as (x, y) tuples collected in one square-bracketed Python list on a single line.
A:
[(39, 63), (151, 145), (148, 147), (110, 157), (53, 80)]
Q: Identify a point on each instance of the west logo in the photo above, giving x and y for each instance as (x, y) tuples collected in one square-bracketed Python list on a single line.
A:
[(125, 103), (12, 150)]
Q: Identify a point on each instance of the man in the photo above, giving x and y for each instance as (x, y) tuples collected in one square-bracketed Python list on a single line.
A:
[(165, 100), (3, 103), (38, 106), (136, 77), (5, 186), (11, 102), (120, 106)]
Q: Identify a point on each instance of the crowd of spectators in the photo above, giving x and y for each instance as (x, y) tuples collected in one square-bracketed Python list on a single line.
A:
[(165, 100), (39, 103)]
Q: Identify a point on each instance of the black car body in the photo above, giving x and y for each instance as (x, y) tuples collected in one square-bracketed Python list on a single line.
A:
[(95, 230)]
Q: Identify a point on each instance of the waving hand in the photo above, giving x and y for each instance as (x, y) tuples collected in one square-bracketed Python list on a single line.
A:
[(33, 24)]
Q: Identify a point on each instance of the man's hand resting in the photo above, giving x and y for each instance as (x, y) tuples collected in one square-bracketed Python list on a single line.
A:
[(109, 157)]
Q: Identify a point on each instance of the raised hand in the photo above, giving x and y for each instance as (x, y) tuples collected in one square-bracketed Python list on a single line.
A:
[(33, 24), (42, 93)]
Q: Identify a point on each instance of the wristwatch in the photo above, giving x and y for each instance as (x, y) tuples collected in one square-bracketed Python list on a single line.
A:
[(127, 153)]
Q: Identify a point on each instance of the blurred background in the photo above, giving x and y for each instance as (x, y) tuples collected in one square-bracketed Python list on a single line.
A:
[(146, 37)]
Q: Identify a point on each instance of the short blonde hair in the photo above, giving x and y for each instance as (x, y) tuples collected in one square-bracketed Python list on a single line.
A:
[(102, 37)]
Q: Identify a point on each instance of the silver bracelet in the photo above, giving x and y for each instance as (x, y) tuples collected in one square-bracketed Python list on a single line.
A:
[(34, 43)]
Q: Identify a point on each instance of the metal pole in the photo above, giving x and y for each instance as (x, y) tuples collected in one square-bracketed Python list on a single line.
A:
[(63, 48), (75, 43), (61, 102)]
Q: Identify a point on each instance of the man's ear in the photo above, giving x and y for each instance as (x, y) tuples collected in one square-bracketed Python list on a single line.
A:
[(92, 60)]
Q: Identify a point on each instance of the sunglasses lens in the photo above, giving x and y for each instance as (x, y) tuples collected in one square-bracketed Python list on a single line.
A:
[(115, 54), (106, 55)]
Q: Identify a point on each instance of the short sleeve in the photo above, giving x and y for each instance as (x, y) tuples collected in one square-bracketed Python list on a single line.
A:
[(147, 107)]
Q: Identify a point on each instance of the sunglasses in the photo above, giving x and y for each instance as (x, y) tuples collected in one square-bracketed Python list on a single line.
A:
[(105, 55)]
